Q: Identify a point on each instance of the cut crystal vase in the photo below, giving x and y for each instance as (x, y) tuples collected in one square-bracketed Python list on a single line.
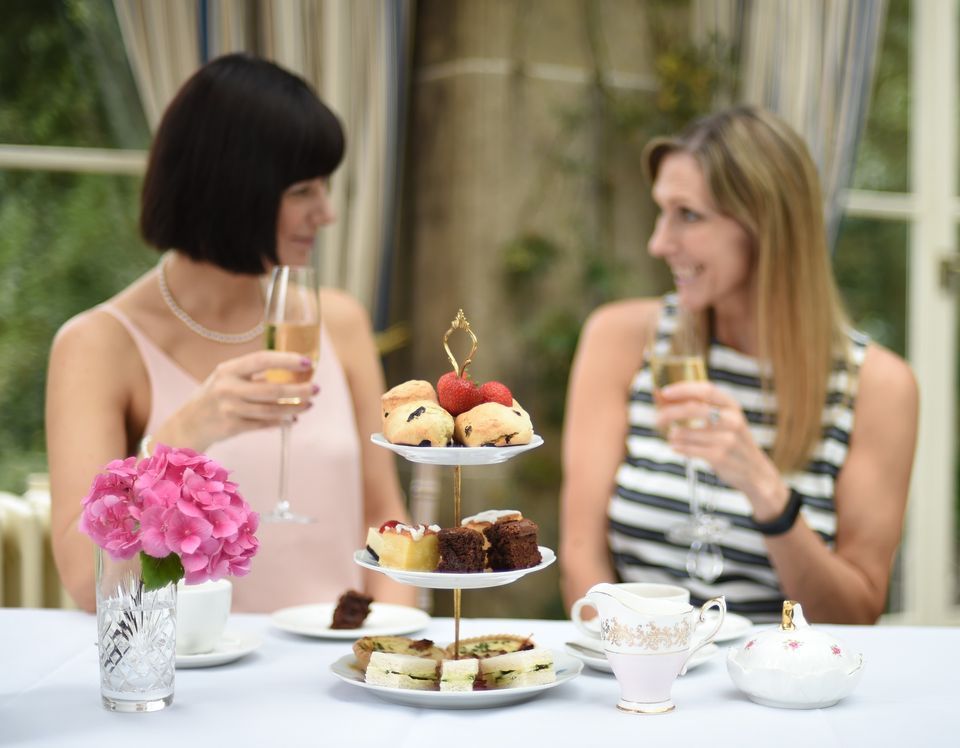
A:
[(137, 637)]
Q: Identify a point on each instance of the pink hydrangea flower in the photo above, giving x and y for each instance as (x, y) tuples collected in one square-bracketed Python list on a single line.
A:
[(177, 501)]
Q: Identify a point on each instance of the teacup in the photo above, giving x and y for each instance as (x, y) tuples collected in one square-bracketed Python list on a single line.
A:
[(202, 611), (649, 590), (648, 643)]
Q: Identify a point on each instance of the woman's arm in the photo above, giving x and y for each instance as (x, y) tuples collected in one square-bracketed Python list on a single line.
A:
[(352, 334), (91, 365), (847, 584), (608, 355)]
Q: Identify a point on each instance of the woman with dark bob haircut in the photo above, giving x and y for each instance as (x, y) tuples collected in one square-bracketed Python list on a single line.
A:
[(237, 182)]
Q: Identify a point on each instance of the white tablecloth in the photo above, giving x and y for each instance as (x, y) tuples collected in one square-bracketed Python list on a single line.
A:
[(285, 695)]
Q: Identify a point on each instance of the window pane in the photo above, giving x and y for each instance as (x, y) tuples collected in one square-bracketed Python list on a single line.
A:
[(871, 268), (64, 77), (67, 242), (871, 262), (882, 155)]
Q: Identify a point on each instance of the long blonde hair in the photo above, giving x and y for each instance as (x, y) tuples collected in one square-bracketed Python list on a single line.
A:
[(761, 175)]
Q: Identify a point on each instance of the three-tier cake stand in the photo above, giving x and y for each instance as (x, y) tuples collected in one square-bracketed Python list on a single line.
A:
[(456, 457)]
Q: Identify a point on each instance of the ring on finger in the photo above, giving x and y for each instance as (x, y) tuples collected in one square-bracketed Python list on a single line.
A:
[(289, 401), (713, 416)]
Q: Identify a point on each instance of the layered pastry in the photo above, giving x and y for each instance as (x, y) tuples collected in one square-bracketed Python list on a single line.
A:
[(531, 667), (401, 671), (513, 545), (352, 610), (493, 425), (408, 547), (481, 647), (419, 423), (413, 389), (461, 550), (458, 675), (423, 648)]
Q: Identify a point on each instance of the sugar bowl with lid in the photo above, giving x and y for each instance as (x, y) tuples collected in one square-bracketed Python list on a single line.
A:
[(794, 666)]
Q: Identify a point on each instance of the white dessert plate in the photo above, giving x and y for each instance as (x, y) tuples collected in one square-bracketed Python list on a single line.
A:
[(596, 659), (385, 619), (567, 668), (734, 626), (456, 455), (232, 646), (436, 580)]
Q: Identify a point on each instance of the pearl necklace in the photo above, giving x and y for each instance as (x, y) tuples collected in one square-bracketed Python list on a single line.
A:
[(196, 327)]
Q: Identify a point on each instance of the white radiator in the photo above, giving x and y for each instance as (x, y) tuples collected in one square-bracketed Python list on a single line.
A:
[(28, 576)]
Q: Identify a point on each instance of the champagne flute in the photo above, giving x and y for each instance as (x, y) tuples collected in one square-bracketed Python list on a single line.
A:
[(292, 322), (684, 362)]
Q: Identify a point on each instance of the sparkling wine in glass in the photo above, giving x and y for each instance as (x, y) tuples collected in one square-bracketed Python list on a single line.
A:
[(292, 322), (684, 363)]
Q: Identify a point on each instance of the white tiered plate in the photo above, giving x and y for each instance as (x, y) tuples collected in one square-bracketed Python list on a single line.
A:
[(385, 619), (595, 658), (567, 668), (436, 580), (456, 455)]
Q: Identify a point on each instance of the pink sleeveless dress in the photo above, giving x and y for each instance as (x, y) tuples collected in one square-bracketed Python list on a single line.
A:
[(296, 564)]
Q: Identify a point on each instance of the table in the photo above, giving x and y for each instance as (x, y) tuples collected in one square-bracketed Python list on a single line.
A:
[(285, 695)]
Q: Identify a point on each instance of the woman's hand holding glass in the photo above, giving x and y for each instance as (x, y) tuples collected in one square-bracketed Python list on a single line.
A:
[(236, 398)]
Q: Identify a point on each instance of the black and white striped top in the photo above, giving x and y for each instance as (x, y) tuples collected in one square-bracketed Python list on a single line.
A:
[(651, 487)]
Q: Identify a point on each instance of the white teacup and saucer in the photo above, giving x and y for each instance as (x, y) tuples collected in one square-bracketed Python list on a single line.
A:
[(202, 612)]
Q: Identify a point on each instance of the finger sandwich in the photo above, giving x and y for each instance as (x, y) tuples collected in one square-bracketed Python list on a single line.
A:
[(401, 671)]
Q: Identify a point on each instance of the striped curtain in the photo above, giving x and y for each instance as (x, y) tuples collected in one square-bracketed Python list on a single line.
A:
[(812, 63)]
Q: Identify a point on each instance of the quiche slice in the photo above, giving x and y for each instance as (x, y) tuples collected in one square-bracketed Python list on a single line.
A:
[(492, 645), (363, 648)]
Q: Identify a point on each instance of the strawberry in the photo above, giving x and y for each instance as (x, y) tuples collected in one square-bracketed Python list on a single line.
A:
[(495, 392), (457, 394)]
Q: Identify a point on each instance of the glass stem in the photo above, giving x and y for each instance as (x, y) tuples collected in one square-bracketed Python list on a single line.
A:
[(693, 490), (283, 506)]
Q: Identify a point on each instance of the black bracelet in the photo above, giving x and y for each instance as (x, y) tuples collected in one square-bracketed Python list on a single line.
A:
[(787, 518)]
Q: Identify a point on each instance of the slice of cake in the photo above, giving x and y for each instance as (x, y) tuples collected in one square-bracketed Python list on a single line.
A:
[(364, 648), (461, 550), (491, 645), (352, 610), (408, 547), (531, 667), (401, 671), (458, 675), (513, 545)]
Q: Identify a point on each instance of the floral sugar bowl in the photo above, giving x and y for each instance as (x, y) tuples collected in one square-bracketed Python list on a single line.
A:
[(794, 666)]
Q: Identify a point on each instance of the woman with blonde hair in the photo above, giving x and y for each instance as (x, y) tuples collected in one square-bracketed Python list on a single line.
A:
[(803, 437)]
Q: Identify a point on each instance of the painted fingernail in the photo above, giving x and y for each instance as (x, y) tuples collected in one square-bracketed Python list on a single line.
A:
[(305, 363), (316, 389)]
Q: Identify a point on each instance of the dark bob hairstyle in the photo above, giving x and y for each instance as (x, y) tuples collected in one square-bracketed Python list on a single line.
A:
[(239, 132)]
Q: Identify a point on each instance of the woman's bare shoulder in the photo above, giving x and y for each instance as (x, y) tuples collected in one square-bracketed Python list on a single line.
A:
[(342, 313), (630, 322), (887, 382)]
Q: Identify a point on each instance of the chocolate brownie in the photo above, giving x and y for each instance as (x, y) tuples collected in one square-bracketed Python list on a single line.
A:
[(461, 550), (513, 545), (351, 611)]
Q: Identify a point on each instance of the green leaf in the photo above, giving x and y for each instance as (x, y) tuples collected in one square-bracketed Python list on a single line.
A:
[(159, 572)]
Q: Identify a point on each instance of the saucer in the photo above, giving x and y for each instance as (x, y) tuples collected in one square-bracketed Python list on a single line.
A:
[(232, 646), (597, 660)]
